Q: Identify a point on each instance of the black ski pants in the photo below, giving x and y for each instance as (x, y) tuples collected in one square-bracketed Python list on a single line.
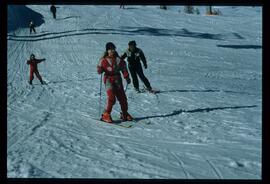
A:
[(54, 15), (137, 70), (32, 29)]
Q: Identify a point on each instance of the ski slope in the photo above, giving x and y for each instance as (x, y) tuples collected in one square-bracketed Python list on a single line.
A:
[(206, 123)]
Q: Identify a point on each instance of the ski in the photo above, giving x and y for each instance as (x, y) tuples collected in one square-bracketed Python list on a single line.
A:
[(153, 91), (117, 123)]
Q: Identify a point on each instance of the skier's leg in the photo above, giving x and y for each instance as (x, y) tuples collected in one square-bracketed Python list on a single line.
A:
[(133, 73), (122, 98), (143, 78), (31, 76), (110, 97), (38, 76)]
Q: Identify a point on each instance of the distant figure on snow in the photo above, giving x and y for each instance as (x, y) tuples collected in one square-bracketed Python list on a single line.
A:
[(53, 10), (122, 5), (111, 64), (134, 56), (32, 27), (34, 69)]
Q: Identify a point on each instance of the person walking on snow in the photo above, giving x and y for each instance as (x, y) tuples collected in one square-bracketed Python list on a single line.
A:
[(134, 56), (32, 27), (34, 69), (111, 64), (53, 10)]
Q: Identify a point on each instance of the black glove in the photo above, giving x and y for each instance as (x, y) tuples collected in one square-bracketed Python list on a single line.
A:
[(145, 66), (128, 80)]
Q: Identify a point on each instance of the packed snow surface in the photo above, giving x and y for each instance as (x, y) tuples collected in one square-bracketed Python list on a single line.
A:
[(206, 122)]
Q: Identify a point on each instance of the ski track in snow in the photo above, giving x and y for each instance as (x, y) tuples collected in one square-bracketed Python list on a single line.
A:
[(205, 122)]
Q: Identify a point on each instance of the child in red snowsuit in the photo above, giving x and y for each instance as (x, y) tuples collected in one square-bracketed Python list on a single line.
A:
[(34, 69), (111, 65)]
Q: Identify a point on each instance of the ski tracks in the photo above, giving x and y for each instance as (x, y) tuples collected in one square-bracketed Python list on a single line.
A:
[(177, 157), (215, 169), (33, 127)]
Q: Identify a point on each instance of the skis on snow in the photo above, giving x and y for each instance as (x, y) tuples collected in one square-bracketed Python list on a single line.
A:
[(124, 124), (117, 123), (152, 91)]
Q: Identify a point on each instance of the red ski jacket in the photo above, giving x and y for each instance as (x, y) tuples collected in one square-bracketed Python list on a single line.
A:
[(112, 67), (33, 63)]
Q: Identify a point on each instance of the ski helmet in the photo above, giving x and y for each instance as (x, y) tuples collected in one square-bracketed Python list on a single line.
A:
[(32, 56), (132, 43), (110, 45)]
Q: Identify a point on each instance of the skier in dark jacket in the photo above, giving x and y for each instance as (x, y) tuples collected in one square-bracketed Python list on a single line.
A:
[(53, 10), (134, 56), (34, 69), (32, 27)]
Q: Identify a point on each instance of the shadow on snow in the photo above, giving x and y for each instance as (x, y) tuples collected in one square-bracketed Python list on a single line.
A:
[(70, 17), (241, 46), (19, 16), (199, 91), (65, 81), (177, 112), (123, 31)]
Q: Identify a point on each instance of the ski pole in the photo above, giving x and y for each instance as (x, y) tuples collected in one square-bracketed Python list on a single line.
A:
[(99, 105), (126, 87)]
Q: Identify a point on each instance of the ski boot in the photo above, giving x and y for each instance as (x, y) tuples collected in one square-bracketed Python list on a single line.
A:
[(126, 116), (42, 82), (106, 117), (149, 89), (30, 82), (137, 90)]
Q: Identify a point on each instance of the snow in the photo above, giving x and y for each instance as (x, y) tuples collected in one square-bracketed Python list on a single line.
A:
[(206, 123)]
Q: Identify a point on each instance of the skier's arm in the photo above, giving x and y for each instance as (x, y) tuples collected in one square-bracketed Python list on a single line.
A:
[(124, 70), (40, 60), (124, 56), (143, 58), (99, 67), (28, 62)]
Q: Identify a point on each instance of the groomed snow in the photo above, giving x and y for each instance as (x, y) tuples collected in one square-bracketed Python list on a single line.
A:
[(206, 123)]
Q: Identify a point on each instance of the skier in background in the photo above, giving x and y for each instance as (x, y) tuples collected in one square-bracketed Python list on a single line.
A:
[(32, 27), (134, 56), (111, 65), (34, 69), (122, 5), (53, 10)]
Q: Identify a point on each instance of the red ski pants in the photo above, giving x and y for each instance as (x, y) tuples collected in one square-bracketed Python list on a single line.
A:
[(119, 93), (32, 72)]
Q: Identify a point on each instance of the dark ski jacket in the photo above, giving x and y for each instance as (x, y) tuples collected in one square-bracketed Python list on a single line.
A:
[(134, 58), (53, 9), (32, 25)]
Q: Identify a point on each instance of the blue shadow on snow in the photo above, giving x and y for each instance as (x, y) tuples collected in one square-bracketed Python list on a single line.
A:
[(241, 46), (19, 16), (177, 112), (123, 31)]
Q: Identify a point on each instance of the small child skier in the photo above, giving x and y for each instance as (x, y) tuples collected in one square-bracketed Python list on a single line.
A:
[(34, 69)]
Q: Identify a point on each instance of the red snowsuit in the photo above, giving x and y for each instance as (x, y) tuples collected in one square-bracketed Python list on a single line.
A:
[(33, 68), (113, 81)]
